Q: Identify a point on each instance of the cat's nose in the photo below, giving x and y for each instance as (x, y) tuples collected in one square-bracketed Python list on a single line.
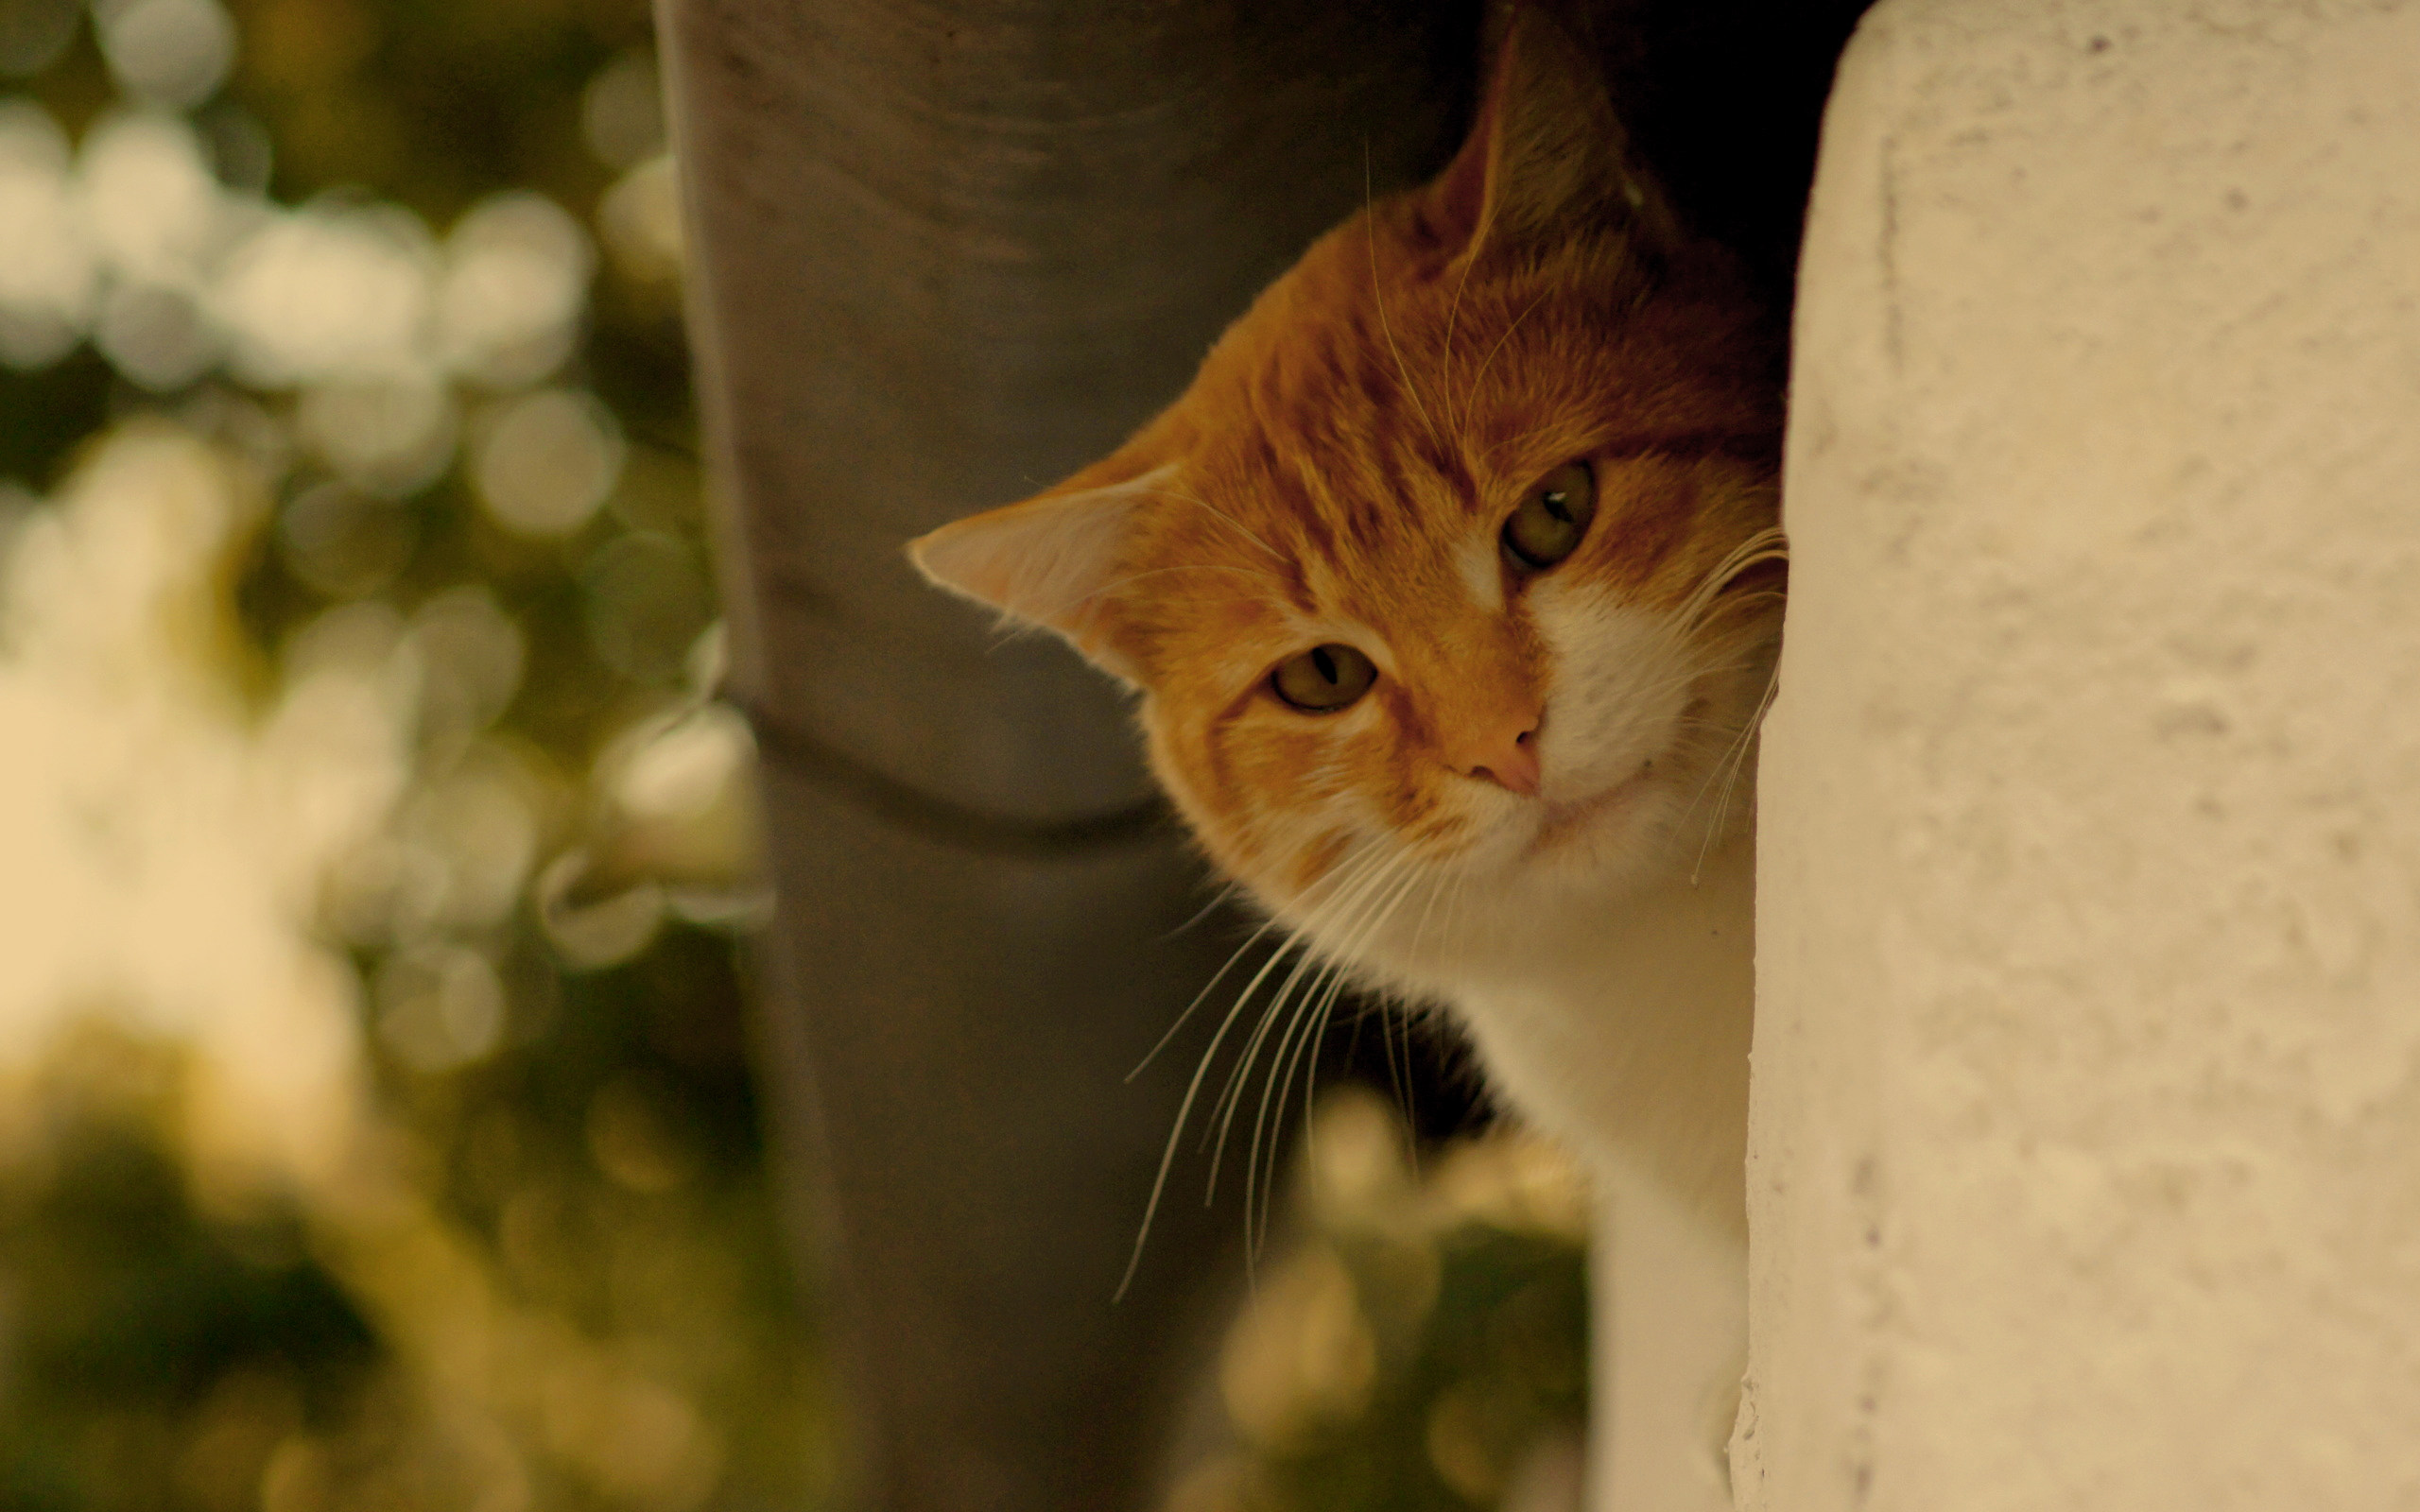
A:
[(1504, 751)]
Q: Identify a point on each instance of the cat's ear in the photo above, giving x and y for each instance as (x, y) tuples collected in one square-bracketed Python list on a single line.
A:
[(1052, 562), (1546, 158)]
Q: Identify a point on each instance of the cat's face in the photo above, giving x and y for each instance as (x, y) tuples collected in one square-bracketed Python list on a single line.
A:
[(1450, 573)]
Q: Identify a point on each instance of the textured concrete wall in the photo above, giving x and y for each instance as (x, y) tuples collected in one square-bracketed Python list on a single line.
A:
[(2087, 1165)]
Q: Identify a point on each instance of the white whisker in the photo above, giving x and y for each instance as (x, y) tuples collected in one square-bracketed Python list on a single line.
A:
[(1224, 1112), (1769, 544), (1498, 347), (1446, 367), (1355, 865), (1313, 1015), (1378, 293), (1231, 1098), (1228, 519), (1733, 761)]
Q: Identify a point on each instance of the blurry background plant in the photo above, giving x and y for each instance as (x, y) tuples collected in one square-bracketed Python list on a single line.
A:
[(375, 1128), (374, 1125), (1419, 1342)]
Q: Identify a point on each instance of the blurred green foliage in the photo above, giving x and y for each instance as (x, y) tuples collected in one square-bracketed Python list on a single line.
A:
[(591, 1167), (135, 1320), (1421, 1344), (1501, 1360)]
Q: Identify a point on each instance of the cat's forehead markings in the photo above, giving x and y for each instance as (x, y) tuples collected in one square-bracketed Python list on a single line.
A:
[(1300, 596), (1481, 572)]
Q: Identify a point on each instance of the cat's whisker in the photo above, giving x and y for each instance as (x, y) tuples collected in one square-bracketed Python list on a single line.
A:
[(1336, 876), (1370, 899), (1766, 545), (1738, 763), (1732, 737), (1410, 391), (1199, 915), (1399, 1070), (1420, 926), (1224, 1112), (1238, 1080), (1183, 1114), (1370, 854), (1181, 1019), (1279, 1063), (1735, 759), (1230, 1098), (1450, 929), (1222, 1115), (1321, 1013), (1329, 986), (1281, 1075), (1318, 1016), (1115, 584), (1176, 1134), (1319, 1002), (1401, 1078), (1481, 376), (1719, 603), (1769, 544), (1446, 367), (1223, 515), (1756, 724), (1378, 297), (1746, 600)]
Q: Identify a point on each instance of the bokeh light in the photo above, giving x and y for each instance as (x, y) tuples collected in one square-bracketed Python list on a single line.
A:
[(172, 52), (515, 279), (329, 293), (470, 655), (48, 274), (641, 220), (1419, 1341), (150, 204), (142, 806), (329, 1178), (546, 462), (342, 541), (648, 599), (621, 112), (392, 437)]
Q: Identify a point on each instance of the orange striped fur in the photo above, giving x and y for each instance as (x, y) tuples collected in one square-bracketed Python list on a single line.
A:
[(1339, 470)]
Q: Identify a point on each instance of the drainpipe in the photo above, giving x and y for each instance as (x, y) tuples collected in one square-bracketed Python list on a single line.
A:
[(941, 255)]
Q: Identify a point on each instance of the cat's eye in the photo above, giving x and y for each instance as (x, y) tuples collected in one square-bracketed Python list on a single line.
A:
[(1324, 678), (1553, 517)]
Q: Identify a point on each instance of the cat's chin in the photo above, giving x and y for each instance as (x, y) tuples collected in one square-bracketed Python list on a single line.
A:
[(1570, 824)]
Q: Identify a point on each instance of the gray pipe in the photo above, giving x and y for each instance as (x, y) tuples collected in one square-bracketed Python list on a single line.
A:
[(943, 254)]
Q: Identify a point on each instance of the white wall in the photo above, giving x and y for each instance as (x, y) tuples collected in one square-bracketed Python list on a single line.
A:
[(2086, 1168)]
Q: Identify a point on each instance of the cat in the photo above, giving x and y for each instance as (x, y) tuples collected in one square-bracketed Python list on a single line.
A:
[(1452, 589)]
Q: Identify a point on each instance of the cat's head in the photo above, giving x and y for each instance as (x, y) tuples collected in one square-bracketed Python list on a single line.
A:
[(1456, 563)]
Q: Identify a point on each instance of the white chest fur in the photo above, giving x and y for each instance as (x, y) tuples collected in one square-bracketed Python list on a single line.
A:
[(1624, 1031)]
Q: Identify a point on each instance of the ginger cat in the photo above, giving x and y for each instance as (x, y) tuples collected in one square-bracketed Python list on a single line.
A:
[(1451, 589)]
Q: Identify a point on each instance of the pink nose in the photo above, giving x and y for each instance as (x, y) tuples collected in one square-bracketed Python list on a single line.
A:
[(1504, 751)]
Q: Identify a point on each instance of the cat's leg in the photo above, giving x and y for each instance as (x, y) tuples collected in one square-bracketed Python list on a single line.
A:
[(1670, 1303)]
